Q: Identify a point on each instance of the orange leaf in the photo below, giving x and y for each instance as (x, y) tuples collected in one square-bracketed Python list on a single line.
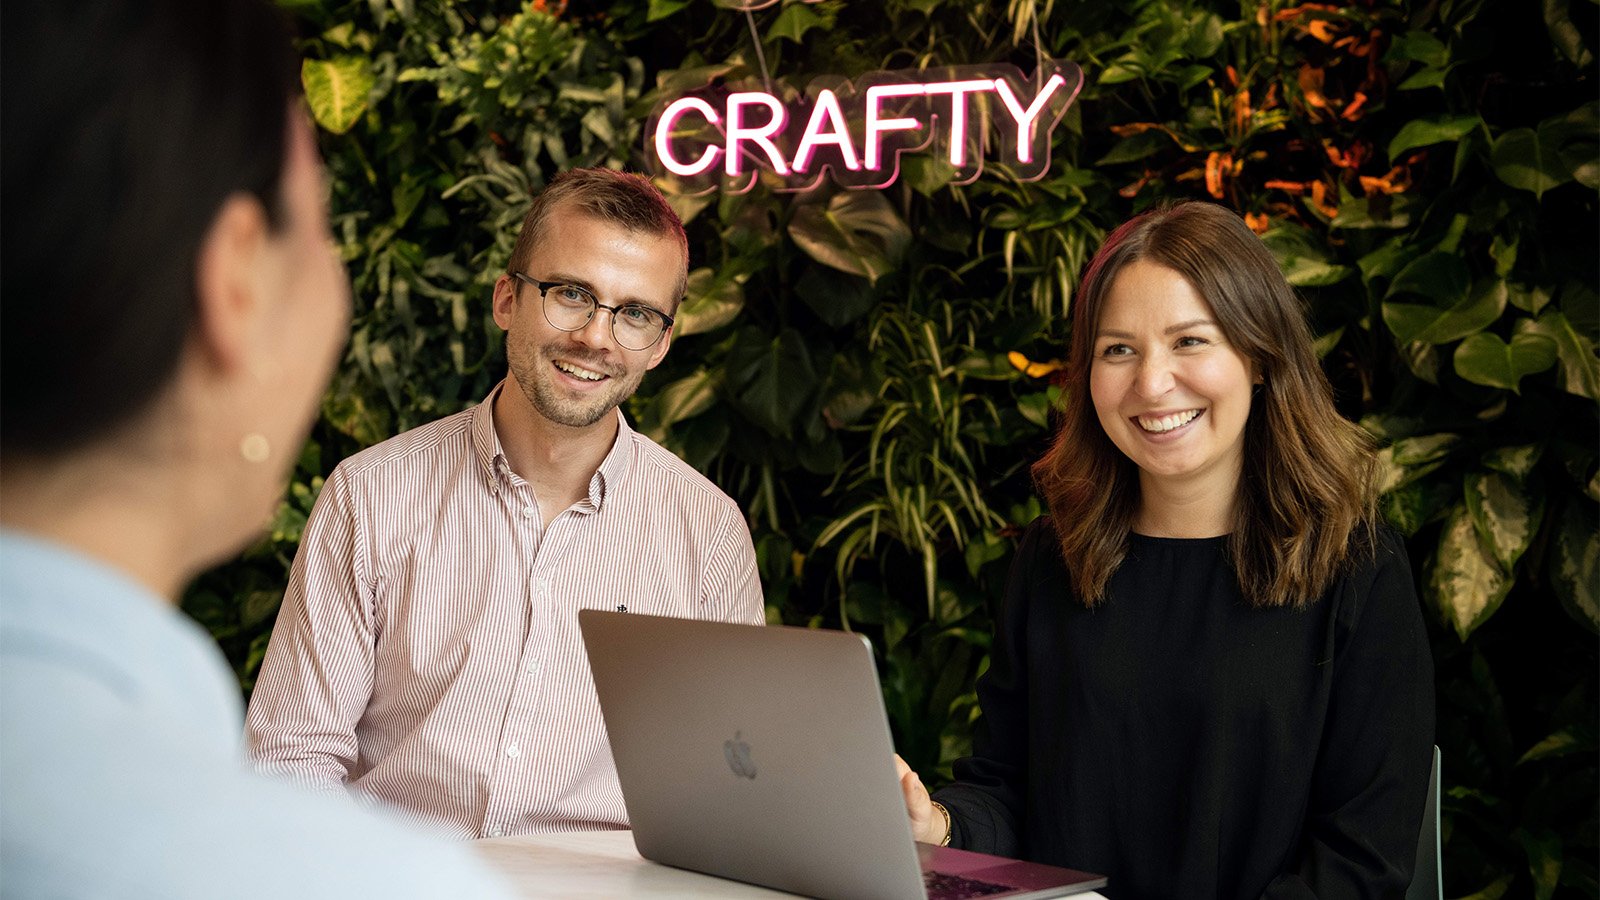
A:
[(1297, 188), (1217, 165), (1241, 109), (1319, 200), (1133, 128), (1033, 369), (1353, 111), (1322, 30), (1258, 222), (1128, 192), (1311, 86)]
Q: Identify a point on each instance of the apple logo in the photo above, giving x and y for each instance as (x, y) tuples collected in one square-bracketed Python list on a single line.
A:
[(737, 753)]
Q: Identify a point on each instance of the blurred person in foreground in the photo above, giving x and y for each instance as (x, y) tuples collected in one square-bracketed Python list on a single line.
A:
[(171, 309), (1210, 678), (428, 653)]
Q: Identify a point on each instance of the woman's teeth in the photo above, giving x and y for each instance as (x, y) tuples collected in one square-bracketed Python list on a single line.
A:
[(1159, 424)]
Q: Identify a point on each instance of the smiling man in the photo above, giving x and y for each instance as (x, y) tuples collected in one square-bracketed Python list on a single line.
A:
[(427, 654)]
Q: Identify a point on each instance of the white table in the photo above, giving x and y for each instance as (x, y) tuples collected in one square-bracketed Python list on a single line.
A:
[(604, 864), (598, 864)]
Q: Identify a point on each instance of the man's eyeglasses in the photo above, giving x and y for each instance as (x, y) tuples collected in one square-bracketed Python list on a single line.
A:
[(570, 307)]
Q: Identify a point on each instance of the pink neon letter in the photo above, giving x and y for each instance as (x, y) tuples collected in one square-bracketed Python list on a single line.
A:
[(760, 135), (1025, 117), (668, 121), (958, 91), (876, 126), (827, 107)]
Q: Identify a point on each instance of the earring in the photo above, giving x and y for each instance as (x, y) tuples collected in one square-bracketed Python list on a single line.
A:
[(254, 448)]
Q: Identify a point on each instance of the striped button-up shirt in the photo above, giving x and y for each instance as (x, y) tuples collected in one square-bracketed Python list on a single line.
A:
[(428, 654)]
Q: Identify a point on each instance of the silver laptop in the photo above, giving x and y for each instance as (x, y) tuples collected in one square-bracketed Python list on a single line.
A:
[(763, 754)]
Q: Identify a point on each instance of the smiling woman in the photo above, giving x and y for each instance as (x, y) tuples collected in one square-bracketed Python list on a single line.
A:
[(1210, 677)]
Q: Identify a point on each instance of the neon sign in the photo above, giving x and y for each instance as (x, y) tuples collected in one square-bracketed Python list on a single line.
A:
[(857, 131)]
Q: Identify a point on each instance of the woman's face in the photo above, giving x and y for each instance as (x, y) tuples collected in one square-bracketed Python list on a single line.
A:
[(1169, 390)]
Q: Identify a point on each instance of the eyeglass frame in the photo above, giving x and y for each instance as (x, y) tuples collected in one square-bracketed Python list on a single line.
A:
[(594, 306)]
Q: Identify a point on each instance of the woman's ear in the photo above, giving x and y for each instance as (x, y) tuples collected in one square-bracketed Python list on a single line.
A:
[(228, 296)]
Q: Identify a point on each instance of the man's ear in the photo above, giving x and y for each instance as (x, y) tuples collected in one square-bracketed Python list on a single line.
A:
[(505, 301), (659, 352), (228, 296)]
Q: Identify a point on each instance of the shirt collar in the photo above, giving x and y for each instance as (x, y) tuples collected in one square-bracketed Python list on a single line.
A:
[(613, 470)]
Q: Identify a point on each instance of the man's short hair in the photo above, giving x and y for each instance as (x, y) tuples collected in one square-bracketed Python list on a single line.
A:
[(621, 198), (128, 124)]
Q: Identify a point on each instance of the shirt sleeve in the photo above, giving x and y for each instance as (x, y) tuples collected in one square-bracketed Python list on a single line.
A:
[(316, 679), (1377, 751), (986, 803), (731, 589)]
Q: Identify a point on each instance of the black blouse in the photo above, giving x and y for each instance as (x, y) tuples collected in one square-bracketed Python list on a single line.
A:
[(1188, 745)]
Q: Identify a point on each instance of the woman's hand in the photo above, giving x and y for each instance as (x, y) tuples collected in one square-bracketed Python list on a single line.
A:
[(928, 825)]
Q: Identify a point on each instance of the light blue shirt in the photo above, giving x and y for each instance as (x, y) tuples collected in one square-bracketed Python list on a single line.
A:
[(120, 762)]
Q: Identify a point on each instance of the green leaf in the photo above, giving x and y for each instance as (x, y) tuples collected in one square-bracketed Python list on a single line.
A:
[(1466, 586), (1529, 298), (1485, 359), (1527, 160), (1204, 36), (713, 300), (660, 9), (1324, 344), (836, 297), (685, 398), (1137, 147), (1567, 36), (1424, 78), (772, 379), (1304, 272), (1388, 260), (1425, 132), (1580, 370), (1573, 565), (1562, 743), (337, 90), (1505, 512), (1035, 408), (1580, 148), (1411, 322), (794, 21), (1518, 462), (1544, 860), (1494, 890), (1410, 458), (856, 232), (1419, 46), (1413, 506), (1439, 275)]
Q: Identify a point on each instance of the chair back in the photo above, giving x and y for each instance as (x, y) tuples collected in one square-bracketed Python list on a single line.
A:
[(1427, 878)]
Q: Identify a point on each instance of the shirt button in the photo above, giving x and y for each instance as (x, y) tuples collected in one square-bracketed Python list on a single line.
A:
[(531, 669), (495, 832), (513, 751), (527, 512)]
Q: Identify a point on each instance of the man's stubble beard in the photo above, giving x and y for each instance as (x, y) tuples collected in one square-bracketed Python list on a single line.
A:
[(535, 374)]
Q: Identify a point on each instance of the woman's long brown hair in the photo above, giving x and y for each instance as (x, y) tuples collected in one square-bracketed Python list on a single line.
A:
[(1307, 498)]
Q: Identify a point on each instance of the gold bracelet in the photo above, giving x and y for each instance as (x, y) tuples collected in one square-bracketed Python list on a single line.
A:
[(946, 813)]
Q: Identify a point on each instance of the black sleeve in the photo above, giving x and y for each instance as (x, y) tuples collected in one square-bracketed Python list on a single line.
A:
[(987, 803), (1372, 770)]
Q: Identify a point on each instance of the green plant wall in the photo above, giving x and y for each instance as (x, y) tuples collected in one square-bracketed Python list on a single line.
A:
[(870, 372)]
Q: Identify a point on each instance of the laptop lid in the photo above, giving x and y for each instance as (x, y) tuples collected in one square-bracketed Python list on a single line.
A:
[(763, 754)]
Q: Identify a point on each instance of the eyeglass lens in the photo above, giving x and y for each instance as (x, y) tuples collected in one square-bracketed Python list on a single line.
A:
[(635, 327)]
